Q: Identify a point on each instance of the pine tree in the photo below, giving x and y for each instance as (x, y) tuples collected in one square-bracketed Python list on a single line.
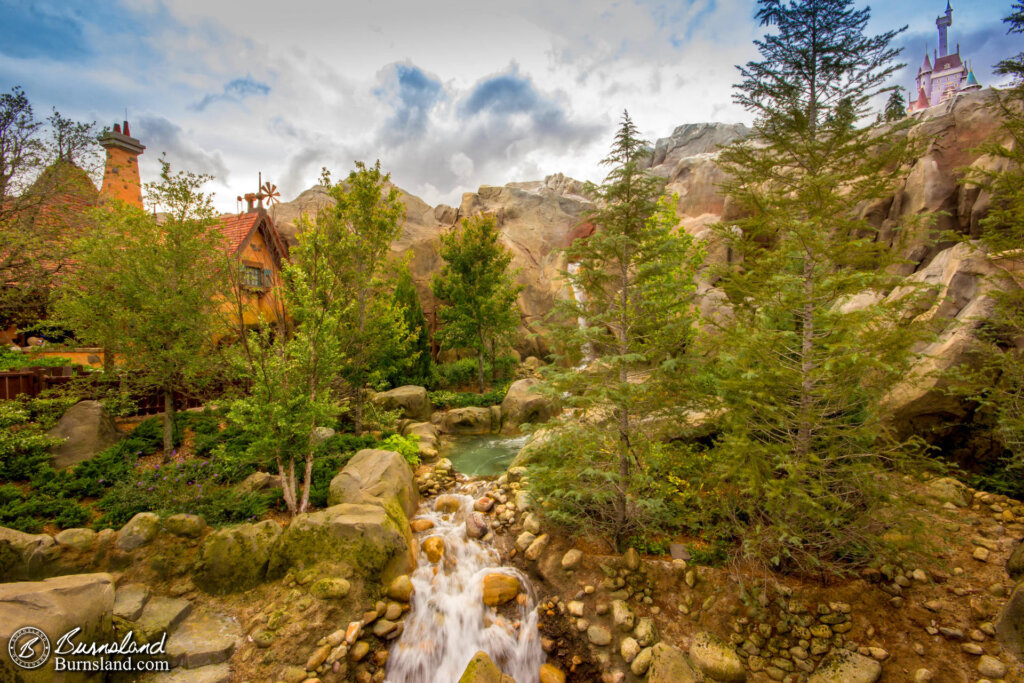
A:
[(812, 344), (476, 291), (636, 272), (895, 107)]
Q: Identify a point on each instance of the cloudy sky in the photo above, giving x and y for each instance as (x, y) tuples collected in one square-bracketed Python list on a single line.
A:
[(448, 94)]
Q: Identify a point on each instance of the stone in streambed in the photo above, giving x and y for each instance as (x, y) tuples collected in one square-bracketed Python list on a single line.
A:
[(433, 547), (716, 658), (499, 589)]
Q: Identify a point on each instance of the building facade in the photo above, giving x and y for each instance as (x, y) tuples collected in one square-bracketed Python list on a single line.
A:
[(942, 78)]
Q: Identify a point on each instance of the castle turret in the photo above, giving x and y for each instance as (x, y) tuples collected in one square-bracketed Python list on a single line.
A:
[(943, 23), (121, 178)]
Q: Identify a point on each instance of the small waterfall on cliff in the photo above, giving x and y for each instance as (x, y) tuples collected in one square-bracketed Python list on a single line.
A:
[(581, 298), (449, 622)]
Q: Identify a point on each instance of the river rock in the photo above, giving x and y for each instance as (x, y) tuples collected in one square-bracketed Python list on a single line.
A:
[(434, 548), (378, 477), (631, 558), (716, 658), (476, 525), (448, 504), (990, 667), (468, 421), (364, 537), (645, 631), (483, 504), (572, 559), (949, 490), (85, 429), (523, 403), (499, 588), (599, 635), (629, 649), (236, 558), (421, 524), (412, 400), (481, 669), (670, 665), (401, 588), (549, 673), (330, 588), (140, 530), (1015, 563), (259, 481), (642, 662), (55, 606), (537, 547), (622, 615), (843, 666), (524, 540)]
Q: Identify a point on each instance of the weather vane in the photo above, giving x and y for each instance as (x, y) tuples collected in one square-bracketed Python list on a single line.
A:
[(267, 191)]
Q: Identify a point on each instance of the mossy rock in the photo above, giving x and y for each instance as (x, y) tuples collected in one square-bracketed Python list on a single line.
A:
[(376, 477), (368, 538), (236, 558), (26, 556)]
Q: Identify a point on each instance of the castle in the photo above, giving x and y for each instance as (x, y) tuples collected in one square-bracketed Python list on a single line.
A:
[(949, 75)]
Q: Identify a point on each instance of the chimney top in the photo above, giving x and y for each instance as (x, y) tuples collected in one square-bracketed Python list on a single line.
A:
[(121, 138)]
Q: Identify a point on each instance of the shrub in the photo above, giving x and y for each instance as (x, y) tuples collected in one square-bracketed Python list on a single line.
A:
[(444, 399), (463, 372), (406, 446)]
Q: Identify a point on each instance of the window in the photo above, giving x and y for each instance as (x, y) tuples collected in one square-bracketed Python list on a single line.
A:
[(254, 277)]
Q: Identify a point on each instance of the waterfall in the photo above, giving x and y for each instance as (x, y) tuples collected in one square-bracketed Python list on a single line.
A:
[(448, 621), (581, 322)]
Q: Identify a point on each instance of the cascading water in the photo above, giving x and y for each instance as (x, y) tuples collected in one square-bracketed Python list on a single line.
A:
[(448, 622), (581, 322)]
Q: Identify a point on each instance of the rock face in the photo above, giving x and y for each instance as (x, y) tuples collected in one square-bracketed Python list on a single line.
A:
[(523, 404), (376, 477), (235, 558), (87, 428), (411, 400), (468, 421), (363, 537), (24, 556), (55, 606)]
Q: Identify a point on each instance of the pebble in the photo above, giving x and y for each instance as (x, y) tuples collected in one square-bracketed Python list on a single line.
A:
[(990, 667), (972, 649)]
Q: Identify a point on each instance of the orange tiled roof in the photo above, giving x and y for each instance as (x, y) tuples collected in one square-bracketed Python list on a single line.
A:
[(236, 227)]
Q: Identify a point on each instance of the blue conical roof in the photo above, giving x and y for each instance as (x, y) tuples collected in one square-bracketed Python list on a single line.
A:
[(971, 80)]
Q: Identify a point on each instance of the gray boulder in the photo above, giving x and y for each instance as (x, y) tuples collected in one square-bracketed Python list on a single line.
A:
[(86, 429), (716, 658), (1015, 563), (413, 401), (843, 666), (524, 404), (140, 530), (56, 606), (380, 478), (235, 558)]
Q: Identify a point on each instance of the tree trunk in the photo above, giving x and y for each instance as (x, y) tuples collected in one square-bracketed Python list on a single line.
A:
[(805, 422), (287, 489), (357, 414), (308, 474), (623, 485), (168, 424), (480, 368)]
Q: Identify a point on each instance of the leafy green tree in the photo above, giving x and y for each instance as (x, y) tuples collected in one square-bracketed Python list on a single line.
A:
[(812, 344), (407, 300), (362, 224), (895, 107), (151, 293), (292, 374), (637, 275), (476, 290)]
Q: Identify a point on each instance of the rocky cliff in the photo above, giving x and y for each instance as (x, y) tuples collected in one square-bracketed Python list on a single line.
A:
[(537, 218)]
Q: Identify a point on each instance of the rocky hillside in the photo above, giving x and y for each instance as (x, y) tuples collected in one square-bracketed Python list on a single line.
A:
[(537, 218)]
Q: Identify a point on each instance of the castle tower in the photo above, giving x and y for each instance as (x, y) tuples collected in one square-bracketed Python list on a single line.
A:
[(943, 23), (121, 178)]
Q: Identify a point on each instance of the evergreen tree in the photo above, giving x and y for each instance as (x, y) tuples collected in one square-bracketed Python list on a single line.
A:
[(895, 107), (994, 379), (476, 290), (407, 300), (151, 293), (637, 275), (812, 344)]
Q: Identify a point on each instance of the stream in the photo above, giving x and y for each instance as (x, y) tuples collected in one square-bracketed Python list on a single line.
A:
[(448, 621)]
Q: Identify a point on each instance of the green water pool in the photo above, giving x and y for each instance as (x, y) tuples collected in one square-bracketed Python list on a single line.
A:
[(484, 455)]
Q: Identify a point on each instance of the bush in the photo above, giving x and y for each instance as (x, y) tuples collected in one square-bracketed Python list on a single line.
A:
[(405, 446), (16, 360), (463, 372), (444, 399)]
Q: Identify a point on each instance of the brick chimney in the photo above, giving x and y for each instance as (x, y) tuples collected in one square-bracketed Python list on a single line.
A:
[(121, 176)]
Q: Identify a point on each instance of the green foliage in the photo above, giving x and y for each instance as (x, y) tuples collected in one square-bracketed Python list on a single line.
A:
[(636, 276), (24, 445), (15, 360), (460, 373), (419, 371), (477, 291), (151, 292), (443, 399), (406, 446), (895, 107), (799, 368)]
